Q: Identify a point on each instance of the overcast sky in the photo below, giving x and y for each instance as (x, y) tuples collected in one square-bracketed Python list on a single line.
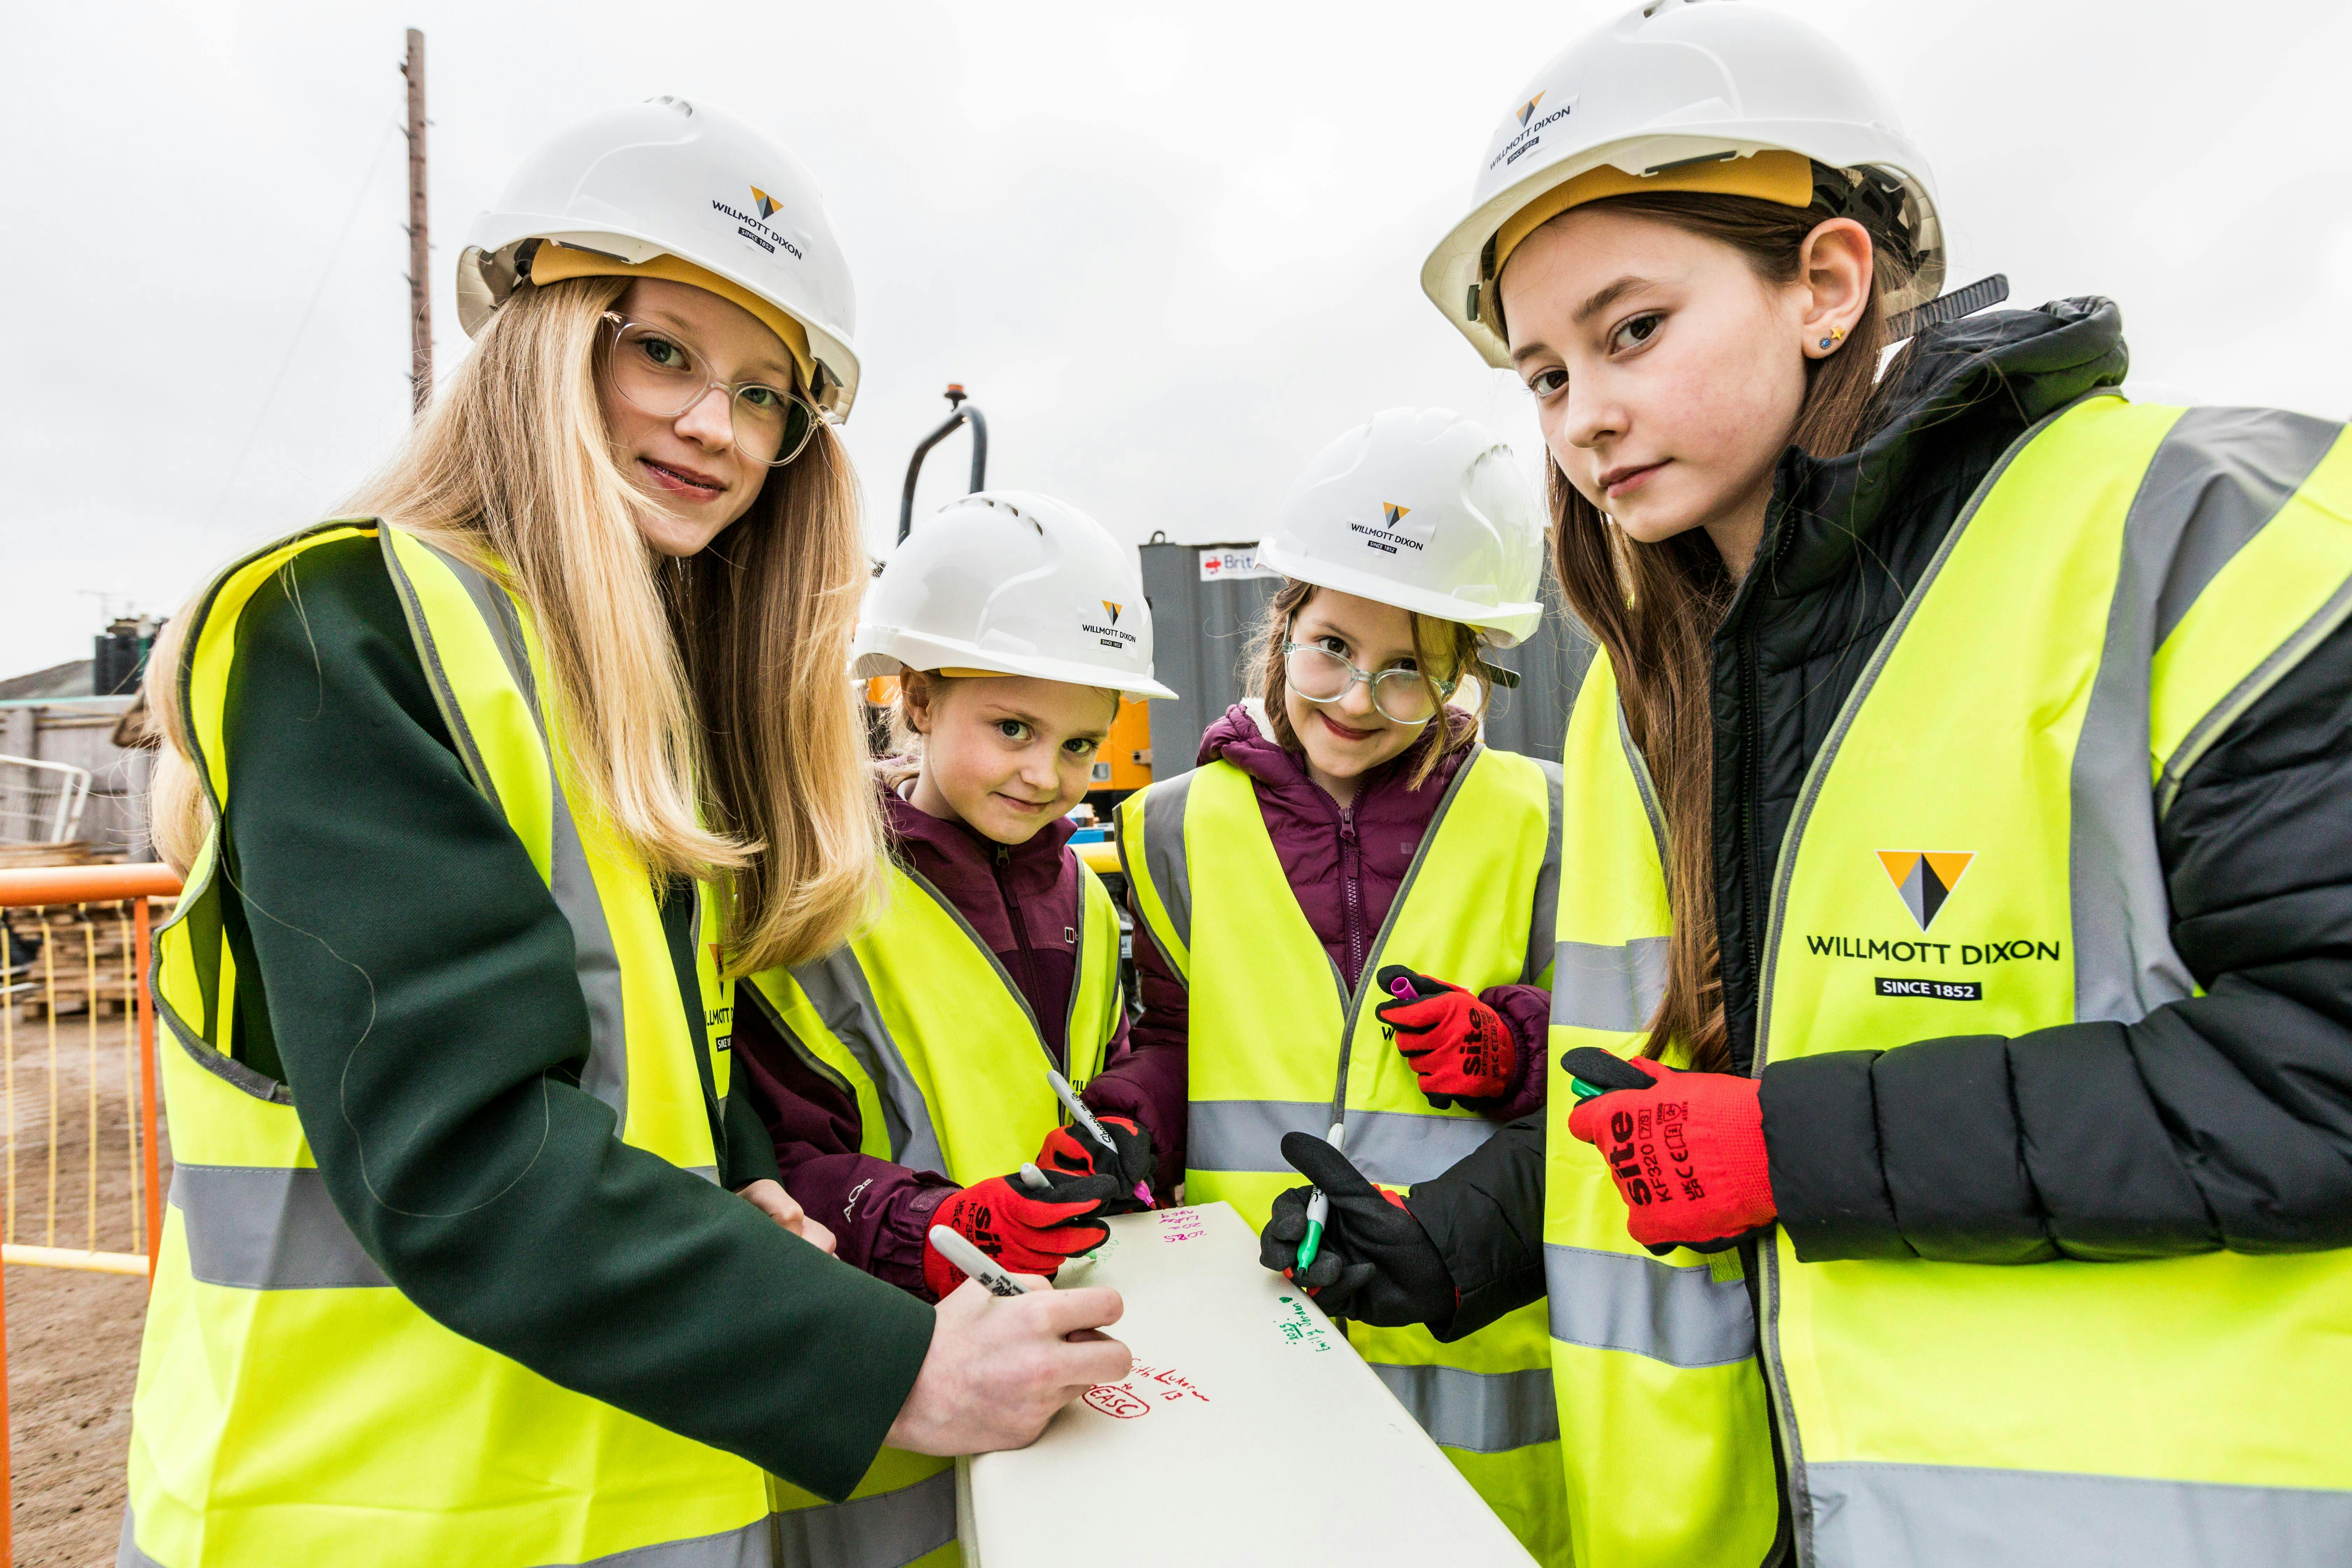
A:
[(1170, 250)]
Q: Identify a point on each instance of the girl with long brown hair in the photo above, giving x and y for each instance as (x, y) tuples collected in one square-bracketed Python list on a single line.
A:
[(1955, 903), (484, 794)]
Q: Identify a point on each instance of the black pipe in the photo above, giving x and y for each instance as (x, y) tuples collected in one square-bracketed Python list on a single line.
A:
[(966, 413)]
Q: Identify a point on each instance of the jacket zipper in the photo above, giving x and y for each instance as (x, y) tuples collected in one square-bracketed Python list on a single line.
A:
[(1352, 998), (1351, 887), (1751, 860)]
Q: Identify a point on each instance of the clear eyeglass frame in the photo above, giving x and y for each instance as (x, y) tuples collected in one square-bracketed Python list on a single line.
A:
[(1399, 696), (683, 390)]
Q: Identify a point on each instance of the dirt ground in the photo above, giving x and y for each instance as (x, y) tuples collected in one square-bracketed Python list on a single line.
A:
[(73, 1337)]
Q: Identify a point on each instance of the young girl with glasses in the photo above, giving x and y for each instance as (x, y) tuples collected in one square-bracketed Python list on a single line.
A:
[(484, 794), (1344, 913)]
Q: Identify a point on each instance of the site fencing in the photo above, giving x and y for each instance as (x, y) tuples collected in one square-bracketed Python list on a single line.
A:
[(83, 1160), (41, 801)]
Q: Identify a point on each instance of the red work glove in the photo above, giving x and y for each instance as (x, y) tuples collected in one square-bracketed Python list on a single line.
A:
[(1687, 1152), (1461, 1048), (1029, 1232), (1072, 1151)]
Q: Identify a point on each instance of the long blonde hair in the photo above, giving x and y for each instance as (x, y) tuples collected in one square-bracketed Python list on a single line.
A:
[(708, 723)]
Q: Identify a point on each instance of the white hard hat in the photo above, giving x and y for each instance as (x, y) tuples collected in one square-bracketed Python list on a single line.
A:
[(1720, 96), (1008, 583), (1424, 509), (674, 188)]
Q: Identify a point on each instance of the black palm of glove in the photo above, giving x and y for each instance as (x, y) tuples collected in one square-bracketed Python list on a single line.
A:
[(1072, 1151), (1376, 1264)]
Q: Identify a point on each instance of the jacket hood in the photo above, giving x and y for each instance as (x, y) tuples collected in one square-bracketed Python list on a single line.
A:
[(2002, 369)]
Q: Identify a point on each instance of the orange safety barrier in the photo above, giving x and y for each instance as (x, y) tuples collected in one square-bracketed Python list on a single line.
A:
[(42, 889)]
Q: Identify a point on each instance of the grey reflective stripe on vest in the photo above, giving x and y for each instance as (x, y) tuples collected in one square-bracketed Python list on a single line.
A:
[(1596, 987), (1938, 1516), (264, 1227), (752, 1546), (1616, 1301), (1246, 1134), (595, 959), (886, 1531), (1643, 782), (1399, 1148), (2218, 477), (838, 988), (1163, 855), (1393, 1147), (1484, 1411), (1543, 924)]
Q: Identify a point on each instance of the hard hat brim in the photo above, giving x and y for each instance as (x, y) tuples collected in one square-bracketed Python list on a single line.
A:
[(1453, 266), (1507, 623), (887, 650), (498, 233)]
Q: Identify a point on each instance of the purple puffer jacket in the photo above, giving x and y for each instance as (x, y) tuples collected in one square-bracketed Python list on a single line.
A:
[(1345, 866), (1024, 902)]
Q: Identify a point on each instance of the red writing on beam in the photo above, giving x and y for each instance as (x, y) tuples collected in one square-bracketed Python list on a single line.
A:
[(1115, 1401)]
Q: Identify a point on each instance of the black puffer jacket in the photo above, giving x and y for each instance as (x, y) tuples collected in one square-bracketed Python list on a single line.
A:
[(2220, 1122)]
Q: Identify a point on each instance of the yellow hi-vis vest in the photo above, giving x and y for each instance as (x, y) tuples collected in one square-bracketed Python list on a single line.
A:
[(2122, 586), (292, 1405), (1664, 1425), (1278, 1042), (918, 1019)]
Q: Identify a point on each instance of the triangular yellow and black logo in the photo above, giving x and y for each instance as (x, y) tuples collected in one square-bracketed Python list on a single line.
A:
[(767, 202), (1112, 608), (1527, 109), (1391, 512), (1924, 877)]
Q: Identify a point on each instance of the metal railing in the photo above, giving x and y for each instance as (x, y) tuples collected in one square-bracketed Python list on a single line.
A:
[(68, 933), (40, 802)]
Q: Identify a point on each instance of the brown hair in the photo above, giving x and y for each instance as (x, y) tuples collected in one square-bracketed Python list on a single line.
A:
[(1442, 646), (709, 726), (1655, 607)]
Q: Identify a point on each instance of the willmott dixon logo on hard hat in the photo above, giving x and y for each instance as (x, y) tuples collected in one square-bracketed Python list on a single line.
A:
[(1526, 110), (1390, 534), (1925, 878), (1108, 632), (766, 203)]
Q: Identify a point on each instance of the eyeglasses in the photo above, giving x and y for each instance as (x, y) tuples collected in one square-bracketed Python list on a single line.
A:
[(1400, 695), (661, 373)]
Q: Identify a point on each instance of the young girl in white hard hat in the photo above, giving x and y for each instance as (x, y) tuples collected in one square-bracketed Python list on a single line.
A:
[(905, 1077), (1347, 908), (482, 792), (1960, 821)]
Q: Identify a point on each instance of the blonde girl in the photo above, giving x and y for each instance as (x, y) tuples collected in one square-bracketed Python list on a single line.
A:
[(483, 792)]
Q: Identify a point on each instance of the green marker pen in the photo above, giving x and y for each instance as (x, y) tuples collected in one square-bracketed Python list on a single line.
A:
[(1318, 1210)]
